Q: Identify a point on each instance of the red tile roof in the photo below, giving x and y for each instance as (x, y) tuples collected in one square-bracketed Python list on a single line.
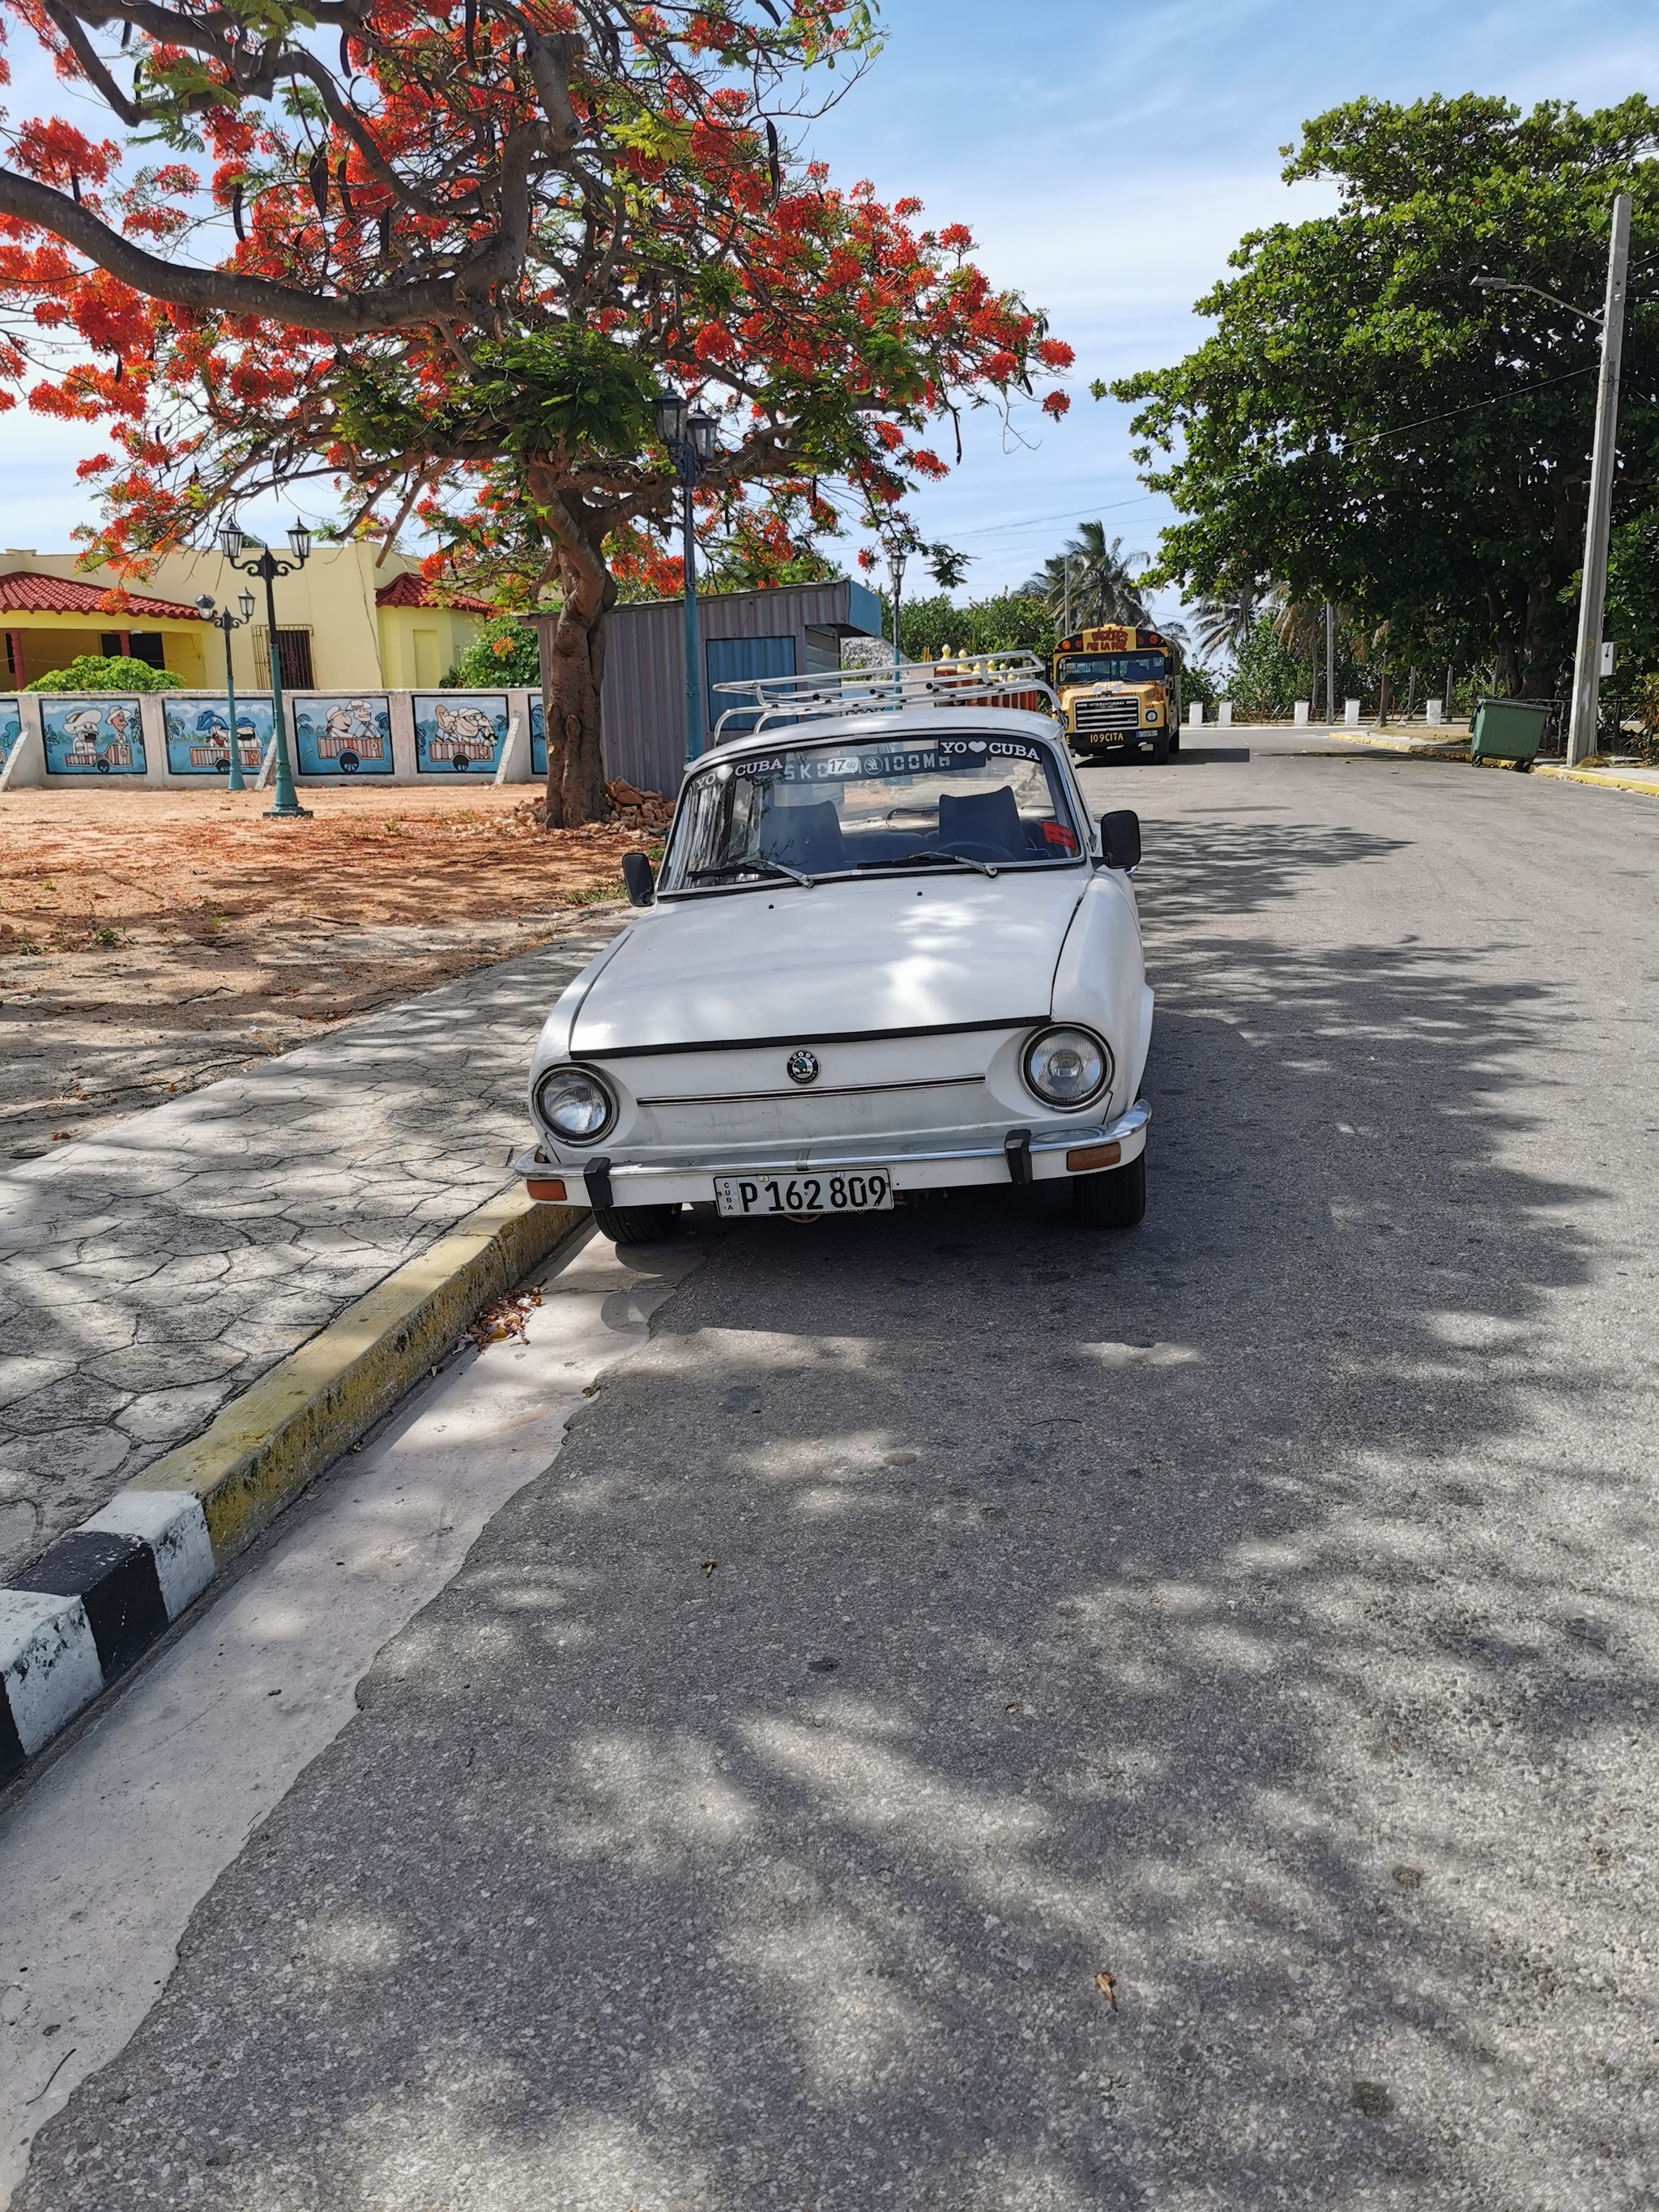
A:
[(32, 593), (410, 590)]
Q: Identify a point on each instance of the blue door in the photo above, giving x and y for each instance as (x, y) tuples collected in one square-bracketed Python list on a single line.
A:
[(732, 658)]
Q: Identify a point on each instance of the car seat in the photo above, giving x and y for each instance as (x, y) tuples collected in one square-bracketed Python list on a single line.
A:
[(805, 837), (985, 822)]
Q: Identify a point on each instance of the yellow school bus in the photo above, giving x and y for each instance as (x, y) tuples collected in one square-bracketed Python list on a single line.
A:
[(1120, 692)]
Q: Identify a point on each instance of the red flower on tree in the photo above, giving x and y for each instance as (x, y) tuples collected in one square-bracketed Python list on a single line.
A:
[(446, 270)]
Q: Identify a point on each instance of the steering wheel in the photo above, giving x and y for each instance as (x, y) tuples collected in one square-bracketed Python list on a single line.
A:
[(974, 849)]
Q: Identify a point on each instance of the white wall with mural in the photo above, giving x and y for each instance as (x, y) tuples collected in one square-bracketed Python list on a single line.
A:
[(335, 735), (182, 738), (92, 733), (197, 726), (459, 731)]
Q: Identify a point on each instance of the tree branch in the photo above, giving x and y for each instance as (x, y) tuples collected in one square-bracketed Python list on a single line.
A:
[(221, 291)]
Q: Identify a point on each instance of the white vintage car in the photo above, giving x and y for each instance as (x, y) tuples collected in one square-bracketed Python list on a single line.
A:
[(889, 952)]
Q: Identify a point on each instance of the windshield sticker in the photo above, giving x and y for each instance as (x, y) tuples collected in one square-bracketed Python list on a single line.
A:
[(884, 762)]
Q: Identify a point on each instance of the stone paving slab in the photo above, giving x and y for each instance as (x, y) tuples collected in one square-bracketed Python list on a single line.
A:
[(151, 1273)]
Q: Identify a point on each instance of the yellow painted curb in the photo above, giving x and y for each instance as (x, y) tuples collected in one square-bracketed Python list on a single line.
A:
[(1603, 779), (266, 1446), (1407, 747)]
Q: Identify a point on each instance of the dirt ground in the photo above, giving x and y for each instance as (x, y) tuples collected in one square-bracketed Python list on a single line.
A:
[(152, 941)]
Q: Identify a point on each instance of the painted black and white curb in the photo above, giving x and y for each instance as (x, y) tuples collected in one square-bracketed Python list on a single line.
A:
[(89, 1606)]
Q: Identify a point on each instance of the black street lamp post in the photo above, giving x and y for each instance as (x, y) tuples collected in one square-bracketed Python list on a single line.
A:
[(227, 622), (285, 805), (898, 542), (692, 437)]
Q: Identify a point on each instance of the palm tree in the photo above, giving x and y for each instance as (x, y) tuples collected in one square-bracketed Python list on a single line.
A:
[(1102, 585), (1225, 623)]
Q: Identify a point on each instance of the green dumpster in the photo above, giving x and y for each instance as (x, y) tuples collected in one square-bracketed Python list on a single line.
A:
[(1509, 730)]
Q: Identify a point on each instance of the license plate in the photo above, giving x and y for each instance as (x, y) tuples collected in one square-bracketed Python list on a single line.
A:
[(868, 1192)]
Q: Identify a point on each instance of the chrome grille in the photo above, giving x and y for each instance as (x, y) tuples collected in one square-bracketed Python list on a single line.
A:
[(1119, 711)]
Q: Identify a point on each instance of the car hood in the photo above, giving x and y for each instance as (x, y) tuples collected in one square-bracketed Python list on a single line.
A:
[(842, 958)]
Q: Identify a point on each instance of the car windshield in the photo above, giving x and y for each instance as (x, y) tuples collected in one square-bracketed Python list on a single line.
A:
[(1110, 668), (967, 801)]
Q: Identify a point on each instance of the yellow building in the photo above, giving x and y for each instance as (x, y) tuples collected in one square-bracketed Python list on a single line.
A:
[(49, 620), (351, 620)]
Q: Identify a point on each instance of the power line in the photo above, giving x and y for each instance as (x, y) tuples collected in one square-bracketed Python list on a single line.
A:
[(1475, 406), (1065, 514)]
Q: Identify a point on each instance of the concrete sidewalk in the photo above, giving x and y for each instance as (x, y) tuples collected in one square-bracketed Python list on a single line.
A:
[(151, 1274)]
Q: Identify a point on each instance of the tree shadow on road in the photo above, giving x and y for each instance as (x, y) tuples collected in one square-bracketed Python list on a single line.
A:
[(986, 1715)]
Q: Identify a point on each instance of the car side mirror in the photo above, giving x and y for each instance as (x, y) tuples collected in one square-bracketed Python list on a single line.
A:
[(1120, 838), (640, 882)]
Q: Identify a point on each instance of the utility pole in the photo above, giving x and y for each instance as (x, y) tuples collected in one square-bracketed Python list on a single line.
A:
[(1582, 730), (1067, 632)]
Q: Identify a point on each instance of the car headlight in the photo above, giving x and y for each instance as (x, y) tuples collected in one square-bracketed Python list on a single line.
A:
[(1068, 1067), (572, 1102)]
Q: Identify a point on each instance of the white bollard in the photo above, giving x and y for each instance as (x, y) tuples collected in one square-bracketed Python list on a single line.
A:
[(1223, 713), (1351, 713), (1196, 715), (1299, 714), (1436, 713)]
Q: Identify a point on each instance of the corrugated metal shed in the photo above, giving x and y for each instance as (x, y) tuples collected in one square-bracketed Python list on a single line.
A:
[(796, 629)]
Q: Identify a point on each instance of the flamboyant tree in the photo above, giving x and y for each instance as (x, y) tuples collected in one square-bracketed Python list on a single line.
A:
[(449, 266)]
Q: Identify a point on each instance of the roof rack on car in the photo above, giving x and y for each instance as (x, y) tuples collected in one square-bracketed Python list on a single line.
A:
[(1011, 680)]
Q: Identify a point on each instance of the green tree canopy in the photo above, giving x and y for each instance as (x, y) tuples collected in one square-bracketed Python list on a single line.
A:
[(1010, 622), (1364, 425)]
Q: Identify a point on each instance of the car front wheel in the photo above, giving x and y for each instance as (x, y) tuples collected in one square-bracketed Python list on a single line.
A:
[(1117, 1200), (635, 1224)]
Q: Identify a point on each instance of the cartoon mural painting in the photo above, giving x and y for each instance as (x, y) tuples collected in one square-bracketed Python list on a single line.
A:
[(92, 736), (537, 734), (461, 732), (11, 728), (341, 736), (199, 734)]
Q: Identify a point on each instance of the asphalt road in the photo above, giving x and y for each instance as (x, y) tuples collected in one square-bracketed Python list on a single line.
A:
[(982, 1714)]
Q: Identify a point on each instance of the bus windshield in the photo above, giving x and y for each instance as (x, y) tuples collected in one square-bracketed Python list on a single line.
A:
[(1111, 668)]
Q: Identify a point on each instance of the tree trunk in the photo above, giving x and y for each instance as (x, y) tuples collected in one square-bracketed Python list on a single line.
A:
[(573, 674)]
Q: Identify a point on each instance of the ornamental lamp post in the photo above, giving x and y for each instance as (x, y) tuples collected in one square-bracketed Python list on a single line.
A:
[(898, 544), (285, 805), (692, 437), (225, 620)]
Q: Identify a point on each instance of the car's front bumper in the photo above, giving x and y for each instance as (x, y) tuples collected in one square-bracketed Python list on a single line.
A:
[(971, 1156)]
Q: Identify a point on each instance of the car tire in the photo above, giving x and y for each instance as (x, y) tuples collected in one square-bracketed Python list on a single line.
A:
[(1175, 737), (1161, 750), (635, 1224), (1117, 1200)]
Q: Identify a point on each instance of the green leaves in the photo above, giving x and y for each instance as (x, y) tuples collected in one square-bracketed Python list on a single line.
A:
[(1366, 425), (569, 389)]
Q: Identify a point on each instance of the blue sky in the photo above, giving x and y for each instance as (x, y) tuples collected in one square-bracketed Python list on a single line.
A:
[(1107, 156)]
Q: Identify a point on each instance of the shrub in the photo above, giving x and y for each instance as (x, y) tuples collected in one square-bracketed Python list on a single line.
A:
[(505, 652), (112, 671)]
